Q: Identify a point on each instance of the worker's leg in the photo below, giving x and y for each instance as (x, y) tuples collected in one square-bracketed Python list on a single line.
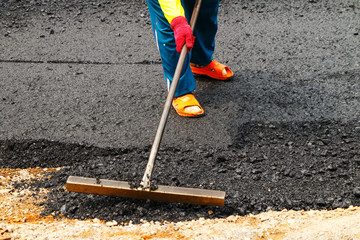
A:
[(205, 30), (165, 41), (202, 62)]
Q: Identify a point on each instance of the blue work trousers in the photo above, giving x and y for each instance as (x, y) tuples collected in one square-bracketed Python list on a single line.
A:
[(205, 31)]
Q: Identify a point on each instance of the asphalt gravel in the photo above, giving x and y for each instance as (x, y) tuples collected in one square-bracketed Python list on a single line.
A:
[(82, 88)]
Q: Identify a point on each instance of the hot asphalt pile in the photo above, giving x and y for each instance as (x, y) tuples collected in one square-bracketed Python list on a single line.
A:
[(271, 166), (82, 89)]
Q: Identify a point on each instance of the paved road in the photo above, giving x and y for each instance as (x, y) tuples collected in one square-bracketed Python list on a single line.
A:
[(89, 72)]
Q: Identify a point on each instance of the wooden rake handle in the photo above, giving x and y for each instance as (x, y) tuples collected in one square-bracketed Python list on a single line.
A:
[(145, 183)]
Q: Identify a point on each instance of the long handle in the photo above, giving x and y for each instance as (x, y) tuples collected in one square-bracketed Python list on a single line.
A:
[(145, 183)]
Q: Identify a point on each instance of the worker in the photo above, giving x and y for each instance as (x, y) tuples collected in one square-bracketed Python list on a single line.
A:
[(170, 23)]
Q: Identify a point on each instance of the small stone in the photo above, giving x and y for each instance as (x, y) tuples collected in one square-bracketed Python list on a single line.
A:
[(330, 200), (352, 208), (324, 153), (256, 178), (72, 209), (231, 218), (332, 167), (142, 211), (220, 159), (63, 209), (306, 173), (356, 192), (74, 195), (344, 175), (111, 223), (320, 202), (256, 171), (346, 203)]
